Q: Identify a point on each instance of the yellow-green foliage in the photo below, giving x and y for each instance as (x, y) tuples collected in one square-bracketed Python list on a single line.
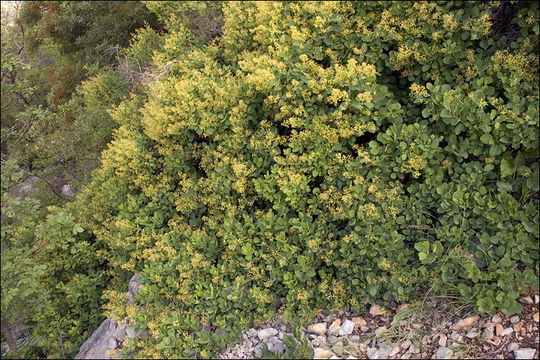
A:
[(322, 155)]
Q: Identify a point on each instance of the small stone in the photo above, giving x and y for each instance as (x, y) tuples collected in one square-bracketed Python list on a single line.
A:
[(495, 341), (536, 299), (442, 340), (364, 329), (536, 316), (496, 318), (443, 353), (252, 332), (514, 319), (518, 326), (380, 330), (526, 300), (395, 351), (488, 333), (280, 335), (370, 351), (466, 322), (266, 333), (406, 344), (338, 348), (413, 349), (526, 353), (375, 310), (334, 357), (472, 334), (383, 352), (319, 328), (334, 327), (332, 339), (507, 331), (354, 338), (347, 328), (322, 353), (359, 321), (498, 329), (512, 346)]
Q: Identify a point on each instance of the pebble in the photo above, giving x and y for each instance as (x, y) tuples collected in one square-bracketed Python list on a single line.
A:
[(496, 318), (507, 331), (383, 352), (364, 329), (488, 333), (512, 346), (472, 334), (443, 353), (442, 340), (370, 351), (347, 328), (334, 327), (319, 328), (413, 349), (322, 353), (536, 316), (359, 321), (514, 319), (395, 351), (375, 310), (466, 322), (334, 357), (266, 333), (406, 344), (380, 330), (526, 300), (526, 353), (498, 329), (536, 299), (495, 341)]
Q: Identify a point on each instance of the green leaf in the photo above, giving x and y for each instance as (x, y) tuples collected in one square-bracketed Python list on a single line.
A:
[(507, 166), (486, 139)]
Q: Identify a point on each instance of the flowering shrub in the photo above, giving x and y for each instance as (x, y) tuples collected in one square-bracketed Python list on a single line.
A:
[(323, 155)]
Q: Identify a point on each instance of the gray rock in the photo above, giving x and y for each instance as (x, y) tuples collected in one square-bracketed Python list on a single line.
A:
[(472, 334), (346, 328), (338, 348), (443, 353), (252, 332), (514, 319), (383, 352), (274, 344), (526, 300), (488, 333), (112, 343), (496, 318), (96, 346), (266, 333), (507, 331), (370, 351), (406, 344), (512, 346), (66, 190), (380, 330), (526, 353)]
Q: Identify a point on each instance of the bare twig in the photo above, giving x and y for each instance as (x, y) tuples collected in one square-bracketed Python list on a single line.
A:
[(61, 342)]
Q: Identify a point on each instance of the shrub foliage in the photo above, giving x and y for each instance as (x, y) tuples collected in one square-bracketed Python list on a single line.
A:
[(313, 156), (324, 155)]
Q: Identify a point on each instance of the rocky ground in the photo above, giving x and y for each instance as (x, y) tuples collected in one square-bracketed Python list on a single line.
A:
[(431, 329)]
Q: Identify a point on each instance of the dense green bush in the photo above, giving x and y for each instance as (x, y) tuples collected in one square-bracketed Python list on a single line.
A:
[(323, 155)]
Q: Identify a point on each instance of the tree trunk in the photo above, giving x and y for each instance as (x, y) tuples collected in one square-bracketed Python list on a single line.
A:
[(10, 339)]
